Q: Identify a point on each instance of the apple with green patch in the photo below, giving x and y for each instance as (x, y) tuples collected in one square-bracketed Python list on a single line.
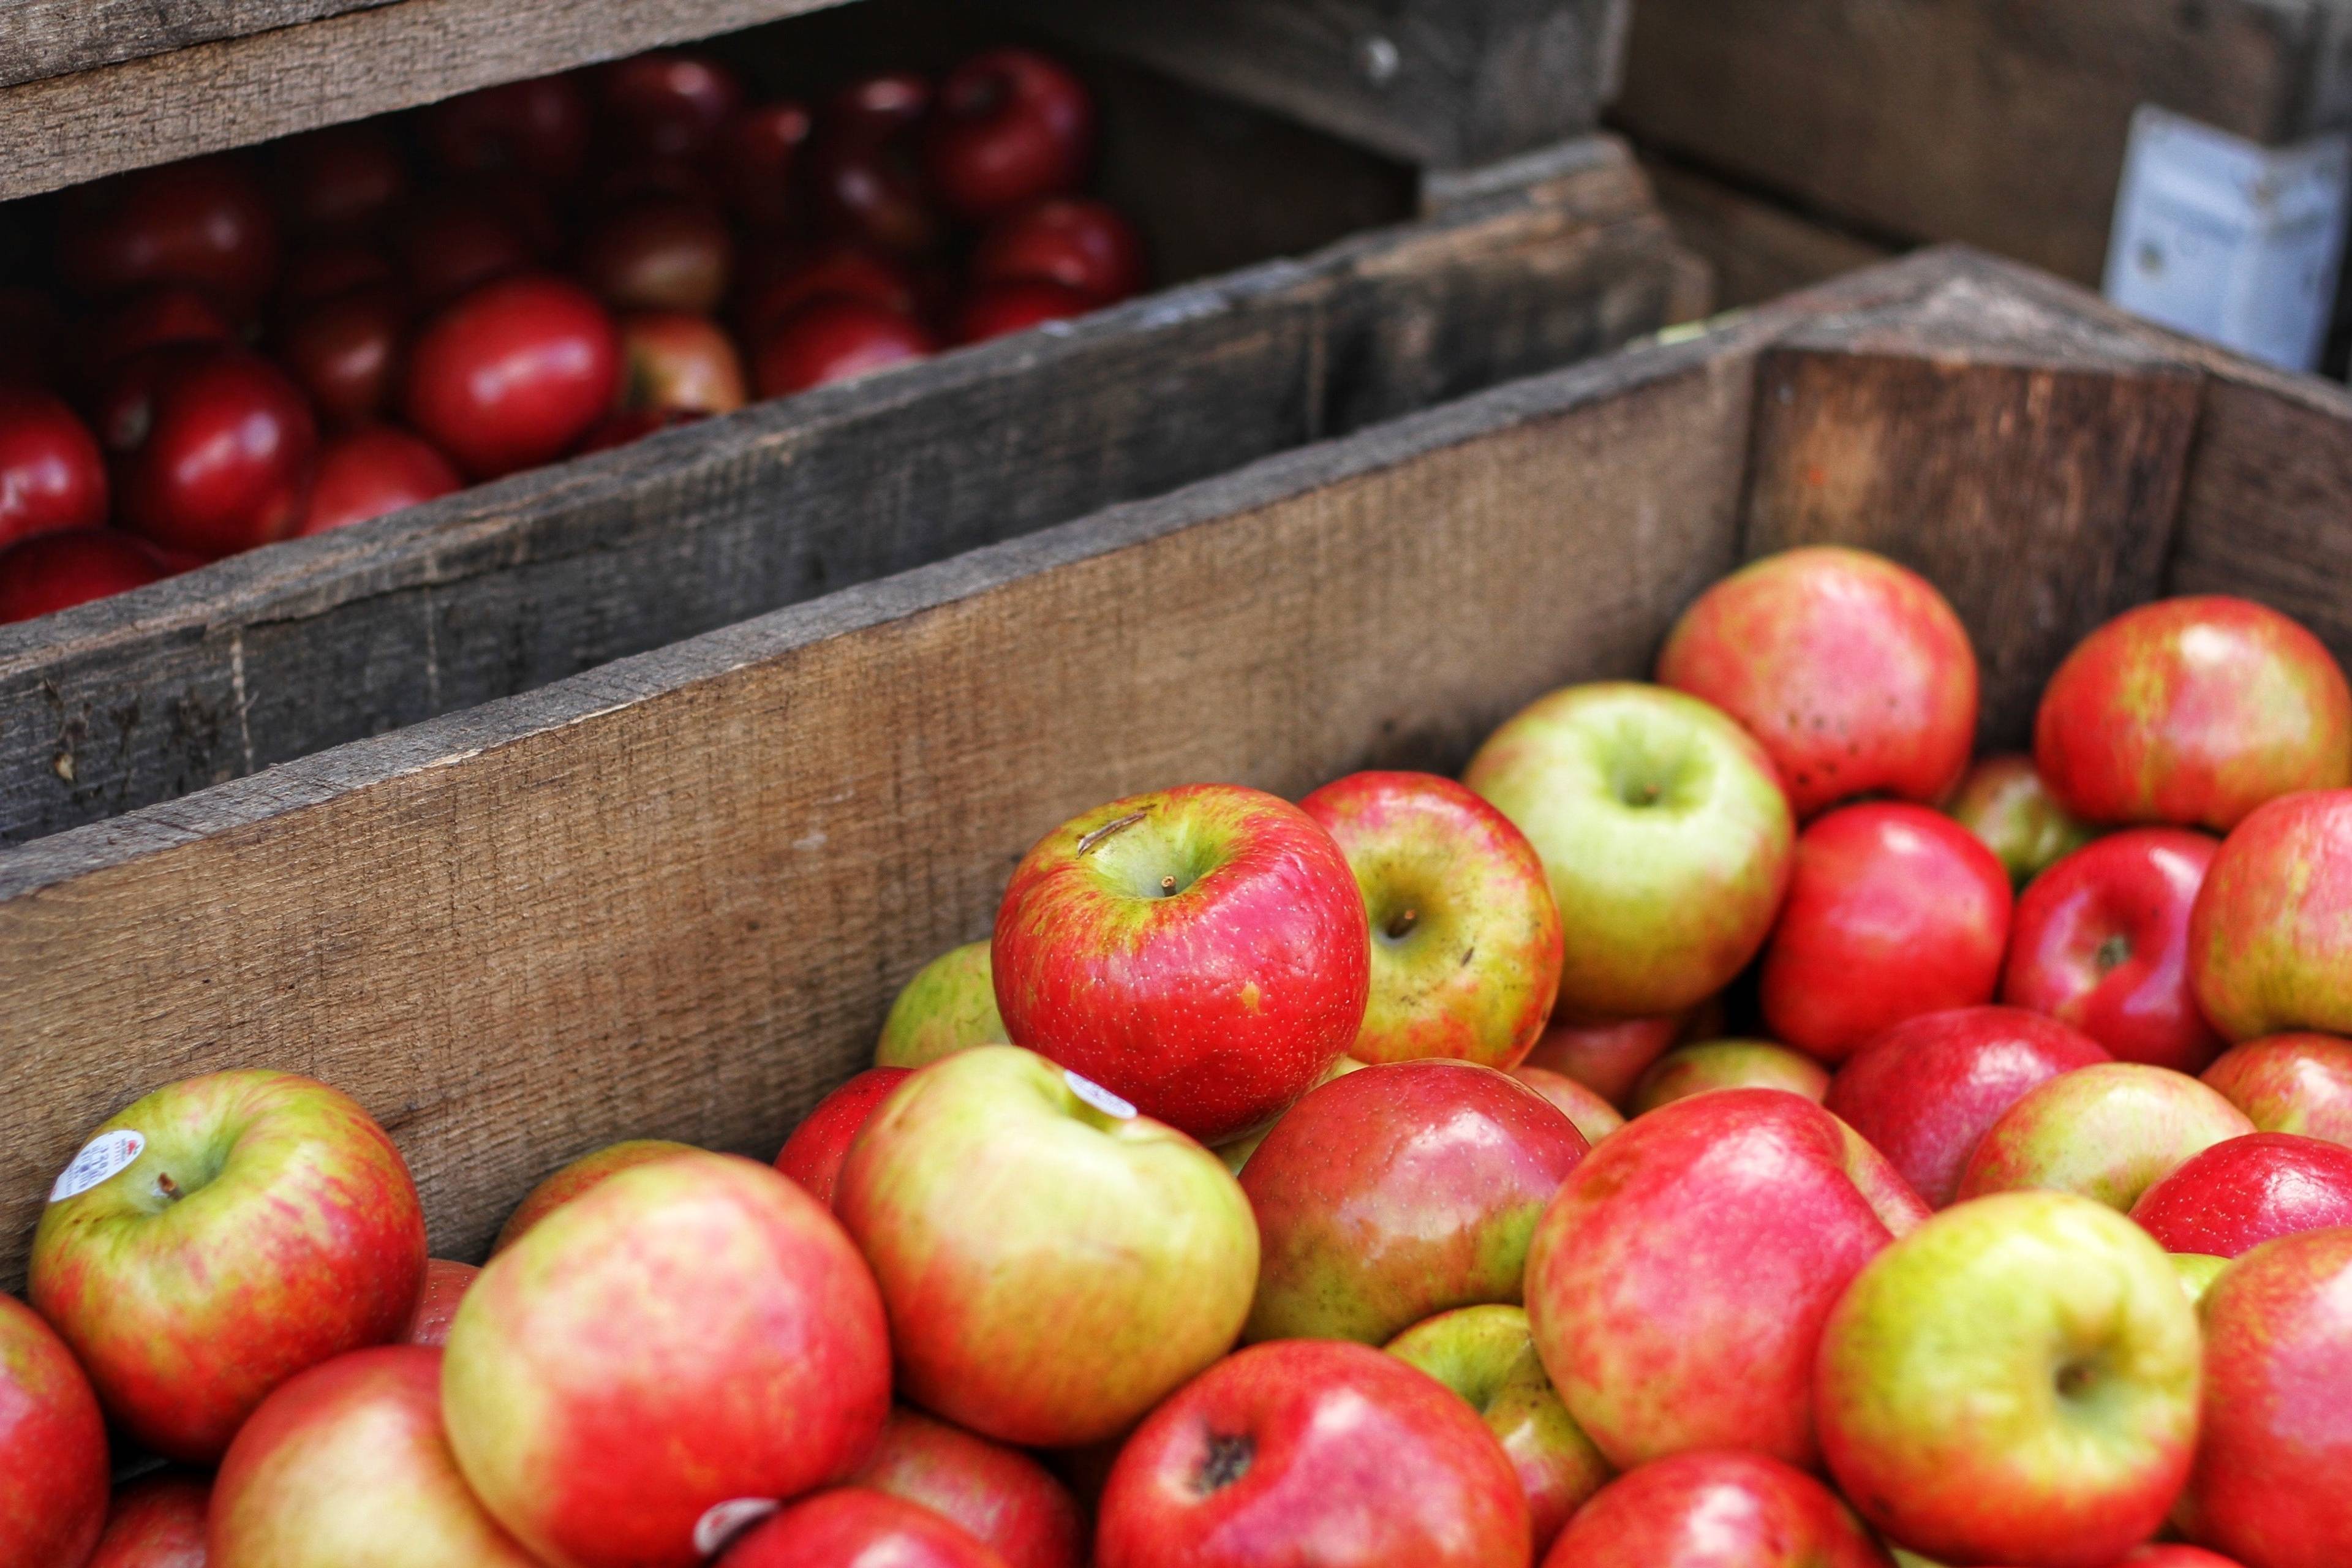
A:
[(2108, 1132), (1709, 1065), (950, 1005)]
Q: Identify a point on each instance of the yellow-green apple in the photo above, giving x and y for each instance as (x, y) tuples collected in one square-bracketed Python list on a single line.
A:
[(1594, 1116), (2003, 801), (1053, 1264), (2275, 1457), (1320, 1452), (2290, 1083), (2108, 1132), (950, 1004), (996, 1494), (157, 1521), (1924, 1091), (660, 1359), (446, 1284), (53, 1463), (217, 1236), (2269, 941), (1664, 834), (2193, 711), (1399, 1191), (568, 1181), (1487, 1356), (1466, 938), (1708, 1065), (1677, 1284), (1607, 1055), (1716, 1506), (2241, 1192), (1201, 953), (813, 1154), (2100, 941), (1894, 911), (2198, 1270), (857, 1527), (1237, 1153), (348, 1464), (2014, 1382)]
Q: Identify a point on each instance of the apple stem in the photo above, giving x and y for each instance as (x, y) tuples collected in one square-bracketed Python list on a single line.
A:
[(1404, 922), (168, 1187)]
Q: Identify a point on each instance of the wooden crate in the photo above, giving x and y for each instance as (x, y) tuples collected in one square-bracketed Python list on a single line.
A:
[(1999, 124), (673, 896)]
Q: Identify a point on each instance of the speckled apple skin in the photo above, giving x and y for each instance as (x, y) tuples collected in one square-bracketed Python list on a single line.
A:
[(1594, 1116), (850, 1527), (53, 1458), (1716, 1506), (950, 1005), (996, 1493), (2269, 940), (2291, 1083), (813, 1154), (2108, 1132), (2240, 1194)]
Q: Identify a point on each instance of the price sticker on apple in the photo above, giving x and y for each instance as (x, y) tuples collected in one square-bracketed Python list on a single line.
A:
[(1098, 1097), (724, 1521), (102, 1158)]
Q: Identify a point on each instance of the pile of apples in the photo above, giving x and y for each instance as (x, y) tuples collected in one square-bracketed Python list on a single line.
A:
[(365, 317), (1366, 1183)]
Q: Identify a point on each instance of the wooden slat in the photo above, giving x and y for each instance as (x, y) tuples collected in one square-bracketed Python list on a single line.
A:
[(281, 653), (1759, 249), (51, 38)]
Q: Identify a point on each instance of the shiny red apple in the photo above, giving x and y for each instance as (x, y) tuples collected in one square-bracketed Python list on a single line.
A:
[(205, 221), (813, 1154), (2291, 1083), (368, 472), (53, 1458), (835, 338), (53, 571), (1717, 1506), (52, 474), (214, 448), (538, 127), (674, 103), (864, 183), (2246, 1191), (340, 180), (1075, 241), (759, 157), (996, 1494), (345, 353), (1010, 126), (513, 373), (855, 1527)]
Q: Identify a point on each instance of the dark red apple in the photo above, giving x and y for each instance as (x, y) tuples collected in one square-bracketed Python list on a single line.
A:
[(345, 353), (539, 128), (341, 180), (1716, 1506), (335, 266), (813, 1154), (446, 1284), (513, 373), (863, 185), (659, 254), (671, 102), (759, 158), (53, 571), (995, 1493), (1000, 309), (370, 471), (835, 338), (52, 475), (805, 277), (1010, 126), (212, 448), (205, 222), (1074, 241), (456, 241), (2241, 1192), (52, 1448), (157, 1522), (155, 316)]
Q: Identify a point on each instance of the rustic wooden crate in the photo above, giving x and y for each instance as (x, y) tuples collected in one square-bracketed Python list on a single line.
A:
[(1987, 121), (673, 895)]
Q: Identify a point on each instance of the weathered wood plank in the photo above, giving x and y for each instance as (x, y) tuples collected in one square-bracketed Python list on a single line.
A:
[(51, 38), (1759, 249)]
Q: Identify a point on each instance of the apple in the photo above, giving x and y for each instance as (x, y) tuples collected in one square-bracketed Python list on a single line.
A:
[(1664, 831), (1607, 1055), (671, 359), (539, 128), (2198, 1270), (758, 161), (799, 278), (340, 180), (319, 272), (457, 240), (370, 472), (217, 1236), (1313, 1452), (691, 1339), (344, 351), (855, 1527), (659, 253), (2014, 1382), (513, 373), (948, 1006), (53, 571), (1594, 1116), (674, 103), (1712, 1507), (2100, 941), (1678, 1283), (1000, 309), (1924, 1091), (1711, 1065), (52, 475), (1010, 126), (999, 1496), (570, 1181), (1488, 1355), (862, 182), (1202, 952), (813, 1154), (348, 1463), (836, 338), (2241, 1192), (1399, 1191), (2291, 1083), (2275, 1457), (53, 1460), (156, 315), (446, 1284), (204, 221), (2004, 803), (1466, 941), (212, 448), (1072, 241), (1053, 1265), (2193, 711), (2269, 941), (157, 1522), (624, 426), (2107, 1132), (1852, 672), (1236, 1154)]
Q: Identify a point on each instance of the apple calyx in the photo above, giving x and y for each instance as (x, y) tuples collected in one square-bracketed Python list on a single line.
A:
[(1227, 1460), (2111, 952)]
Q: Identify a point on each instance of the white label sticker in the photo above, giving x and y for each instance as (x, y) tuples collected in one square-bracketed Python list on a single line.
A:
[(106, 1155), (724, 1521), (1098, 1097)]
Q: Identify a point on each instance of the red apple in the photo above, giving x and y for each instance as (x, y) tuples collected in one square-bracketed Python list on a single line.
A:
[(1072, 241), (670, 102), (1236, 1154), (53, 1463), (758, 160), (863, 185), (813, 1154), (446, 1284), (219, 1237), (324, 270), (1310, 1452), (2100, 941), (950, 1005), (213, 447), (1607, 1055), (2269, 940), (997, 1495), (2107, 1132), (1010, 126), (341, 180), (659, 253), (673, 361), (2193, 711), (344, 353), (1466, 938), (155, 316), (513, 373), (1594, 1116), (1924, 1091), (1000, 309), (1677, 1285), (2291, 1083), (1853, 672), (692, 1337), (624, 426), (204, 221), (155, 1522), (1710, 1065), (569, 1182), (2274, 1454), (1202, 952), (539, 128), (2242, 1192), (53, 571), (458, 240), (368, 472), (803, 277), (52, 475), (993, 1182), (1894, 911), (32, 333), (855, 1527), (1399, 1191), (835, 338), (2014, 1382), (1711, 1507), (2172, 1556)]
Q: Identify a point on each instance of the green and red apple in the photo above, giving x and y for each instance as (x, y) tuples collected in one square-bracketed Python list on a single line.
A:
[(950, 1005)]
